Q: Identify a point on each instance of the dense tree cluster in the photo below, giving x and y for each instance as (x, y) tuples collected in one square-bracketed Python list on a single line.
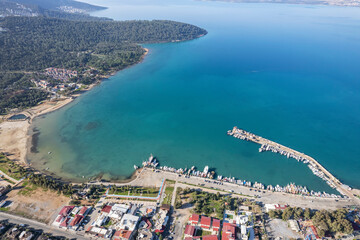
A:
[(50, 183), (35, 43), (325, 221), (31, 44)]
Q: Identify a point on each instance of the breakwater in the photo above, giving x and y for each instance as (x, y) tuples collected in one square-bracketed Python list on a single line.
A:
[(315, 167)]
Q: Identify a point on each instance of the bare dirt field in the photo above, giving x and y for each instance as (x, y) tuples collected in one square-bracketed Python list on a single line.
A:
[(279, 228), (36, 203)]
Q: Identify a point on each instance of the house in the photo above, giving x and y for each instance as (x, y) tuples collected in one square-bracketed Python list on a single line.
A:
[(24, 235), (228, 231), (123, 235), (101, 220), (12, 233), (65, 222), (129, 222), (160, 221), (99, 232), (76, 221), (118, 210), (106, 209), (190, 231), (269, 207), (194, 219), (84, 211), (145, 234), (66, 210), (216, 225), (205, 222), (210, 237)]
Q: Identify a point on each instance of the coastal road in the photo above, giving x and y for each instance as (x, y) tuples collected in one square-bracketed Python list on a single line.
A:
[(38, 225), (154, 178)]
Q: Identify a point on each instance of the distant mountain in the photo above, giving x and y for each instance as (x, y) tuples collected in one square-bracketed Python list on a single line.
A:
[(67, 9), (348, 3)]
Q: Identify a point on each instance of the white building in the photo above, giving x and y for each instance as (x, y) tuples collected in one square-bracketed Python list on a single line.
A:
[(128, 222)]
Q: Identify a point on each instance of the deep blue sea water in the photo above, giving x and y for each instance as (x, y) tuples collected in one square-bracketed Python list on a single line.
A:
[(289, 73)]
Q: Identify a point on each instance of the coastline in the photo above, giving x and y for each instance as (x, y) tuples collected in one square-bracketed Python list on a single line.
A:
[(15, 140)]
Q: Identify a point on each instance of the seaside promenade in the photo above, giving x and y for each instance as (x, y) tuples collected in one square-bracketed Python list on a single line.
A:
[(149, 177), (315, 166)]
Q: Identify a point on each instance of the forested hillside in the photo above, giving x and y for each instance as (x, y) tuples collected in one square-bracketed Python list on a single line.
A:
[(31, 44)]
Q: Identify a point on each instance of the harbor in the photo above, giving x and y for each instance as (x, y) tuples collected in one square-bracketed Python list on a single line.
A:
[(315, 167), (209, 176)]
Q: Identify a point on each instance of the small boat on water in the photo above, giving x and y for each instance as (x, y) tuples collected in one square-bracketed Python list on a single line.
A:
[(206, 170), (135, 167), (49, 152)]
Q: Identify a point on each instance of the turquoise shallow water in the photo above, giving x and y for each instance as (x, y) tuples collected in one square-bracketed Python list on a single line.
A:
[(288, 73)]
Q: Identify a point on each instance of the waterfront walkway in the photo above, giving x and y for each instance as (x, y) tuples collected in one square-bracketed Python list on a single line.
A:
[(149, 177)]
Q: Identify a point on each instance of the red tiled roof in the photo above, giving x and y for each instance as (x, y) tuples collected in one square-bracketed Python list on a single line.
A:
[(106, 208), (83, 210), (190, 230), (228, 231), (122, 234), (58, 219), (76, 220), (210, 237), (281, 206), (65, 222), (216, 223), (66, 210), (205, 221), (194, 218)]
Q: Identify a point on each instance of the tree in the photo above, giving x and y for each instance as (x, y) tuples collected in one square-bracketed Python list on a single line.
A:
[(272, 214), (178, 204), (307, 213)]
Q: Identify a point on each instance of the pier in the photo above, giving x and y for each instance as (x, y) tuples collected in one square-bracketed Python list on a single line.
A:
[(315, 167)]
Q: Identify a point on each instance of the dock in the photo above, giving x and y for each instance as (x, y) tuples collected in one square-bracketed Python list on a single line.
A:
[(315, 166)]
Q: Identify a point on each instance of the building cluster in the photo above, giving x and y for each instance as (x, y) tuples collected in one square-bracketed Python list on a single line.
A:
[(72, 217), (11, 232), (61, 74), (235, 225), (55, 88), (121, 221)]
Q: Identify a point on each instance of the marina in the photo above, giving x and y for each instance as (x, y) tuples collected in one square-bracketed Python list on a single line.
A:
[(210, 176), (315, 167)]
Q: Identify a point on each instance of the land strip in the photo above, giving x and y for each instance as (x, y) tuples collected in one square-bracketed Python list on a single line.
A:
[(148, 177)]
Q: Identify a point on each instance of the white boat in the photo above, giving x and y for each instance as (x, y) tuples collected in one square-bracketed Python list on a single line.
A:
[(135, 167), (151, 158), (206, 170)]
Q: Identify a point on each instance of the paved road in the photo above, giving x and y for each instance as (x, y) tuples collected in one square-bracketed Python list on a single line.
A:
[(10, 178), (148, 177), (39, 225)]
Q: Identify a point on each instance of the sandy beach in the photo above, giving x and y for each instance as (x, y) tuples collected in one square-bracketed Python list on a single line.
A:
[(14, 134)]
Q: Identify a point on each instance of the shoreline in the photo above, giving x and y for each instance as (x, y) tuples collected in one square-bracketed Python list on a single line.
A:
[(15, 139)]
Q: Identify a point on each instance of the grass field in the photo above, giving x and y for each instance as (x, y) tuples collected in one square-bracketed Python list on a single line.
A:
[(134, 191), (10, 168), (168, 191), (27, 189)]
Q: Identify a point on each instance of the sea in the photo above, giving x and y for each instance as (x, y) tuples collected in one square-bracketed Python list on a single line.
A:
[(289, 73)]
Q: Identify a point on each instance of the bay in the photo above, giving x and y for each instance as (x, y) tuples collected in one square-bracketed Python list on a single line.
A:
[(286, 72)]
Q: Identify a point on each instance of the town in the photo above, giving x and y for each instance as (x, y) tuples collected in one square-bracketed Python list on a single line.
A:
[(60, 82), (160, 204)]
